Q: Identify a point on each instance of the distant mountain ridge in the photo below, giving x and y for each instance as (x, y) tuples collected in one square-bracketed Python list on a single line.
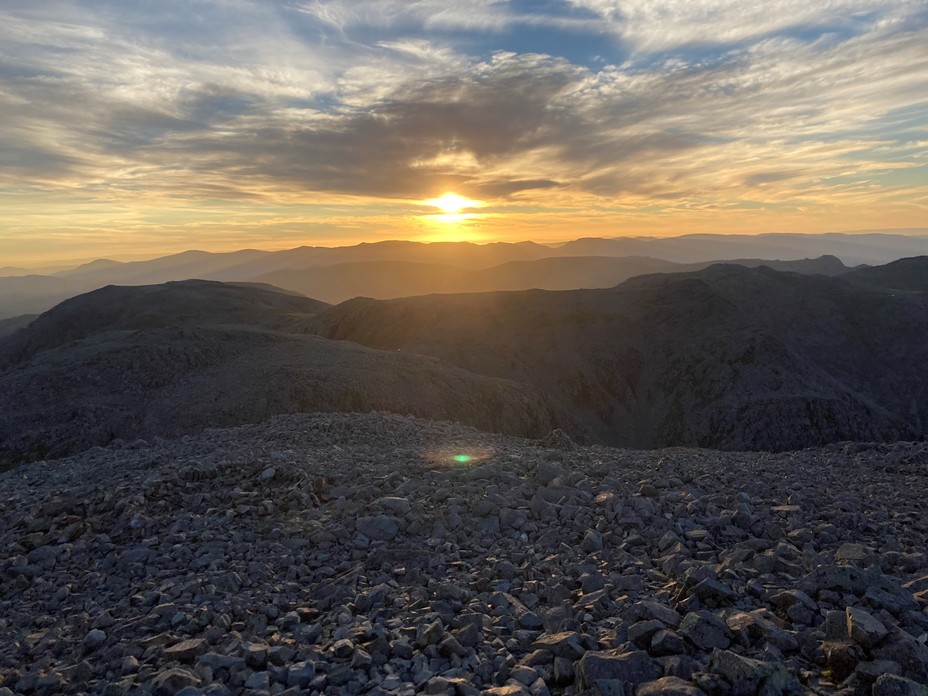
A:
[(452, 266)]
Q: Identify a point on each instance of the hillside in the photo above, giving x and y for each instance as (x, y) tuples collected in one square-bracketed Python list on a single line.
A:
[(907, 275), (190, 303), (727, 357), (176, 359)]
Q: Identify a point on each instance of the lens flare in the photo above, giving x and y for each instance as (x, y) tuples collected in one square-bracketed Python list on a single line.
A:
[(458, 455)]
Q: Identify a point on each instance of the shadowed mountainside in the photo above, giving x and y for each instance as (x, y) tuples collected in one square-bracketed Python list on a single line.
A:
[(174, 359), (185, 303), (907, 275), (727, 357)]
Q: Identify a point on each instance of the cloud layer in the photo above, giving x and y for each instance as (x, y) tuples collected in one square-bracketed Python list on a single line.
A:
[(584, 106)]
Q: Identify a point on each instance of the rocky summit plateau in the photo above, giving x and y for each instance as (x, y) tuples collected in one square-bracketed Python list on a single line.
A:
[(381, 554)]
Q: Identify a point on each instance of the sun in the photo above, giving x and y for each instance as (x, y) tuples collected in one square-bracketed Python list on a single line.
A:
[(452, 203)]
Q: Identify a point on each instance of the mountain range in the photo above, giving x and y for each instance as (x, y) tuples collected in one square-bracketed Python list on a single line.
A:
[(386, 270), (728, 357)]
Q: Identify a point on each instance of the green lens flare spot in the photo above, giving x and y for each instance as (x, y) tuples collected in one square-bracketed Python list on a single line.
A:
[(462, 458)]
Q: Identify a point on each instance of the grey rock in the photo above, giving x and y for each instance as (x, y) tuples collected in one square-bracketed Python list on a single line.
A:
[(669, 686), (378, 527), (186, 651), (258, 681), (395, 504), (748, 676), (863, 628), (910, 653), (170, 681), (666, 642), (705, 630), (893, 685), (94, 639), (592, 541), (656, 610), (566, 644), (613, 669)]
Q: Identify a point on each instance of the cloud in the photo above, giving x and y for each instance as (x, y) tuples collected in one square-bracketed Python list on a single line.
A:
[(661, 25), (339, 99)]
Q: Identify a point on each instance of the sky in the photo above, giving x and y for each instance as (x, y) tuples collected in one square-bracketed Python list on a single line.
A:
[(140, 127)]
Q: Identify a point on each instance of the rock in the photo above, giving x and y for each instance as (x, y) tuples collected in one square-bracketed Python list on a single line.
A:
[(378, 527), (641, 632), (863, 628), (300, 674), (613, 669), (394, 504), (547, 471), (186, 651), (507, 690), (666, 642), (512, 519), (343, 648), (258, 681), (786, 599), (868, 671), (171, 681), (280, 654), (748, 676), (668, 686), (566, 644), (910, 653), (543, 510), (592, 541), (713, 593), (759, 625), (893, 685), (94, 639), (656, 610), (431, 634), (705, 630), (842, 658), (851, 553), (129, 665), (563, 673)]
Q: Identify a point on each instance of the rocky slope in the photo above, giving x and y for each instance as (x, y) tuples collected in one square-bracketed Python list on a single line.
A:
[(379, 554), (175, 359), (727, 357)]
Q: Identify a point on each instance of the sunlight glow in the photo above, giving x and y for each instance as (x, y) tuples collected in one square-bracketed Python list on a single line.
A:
[(452, 203)]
